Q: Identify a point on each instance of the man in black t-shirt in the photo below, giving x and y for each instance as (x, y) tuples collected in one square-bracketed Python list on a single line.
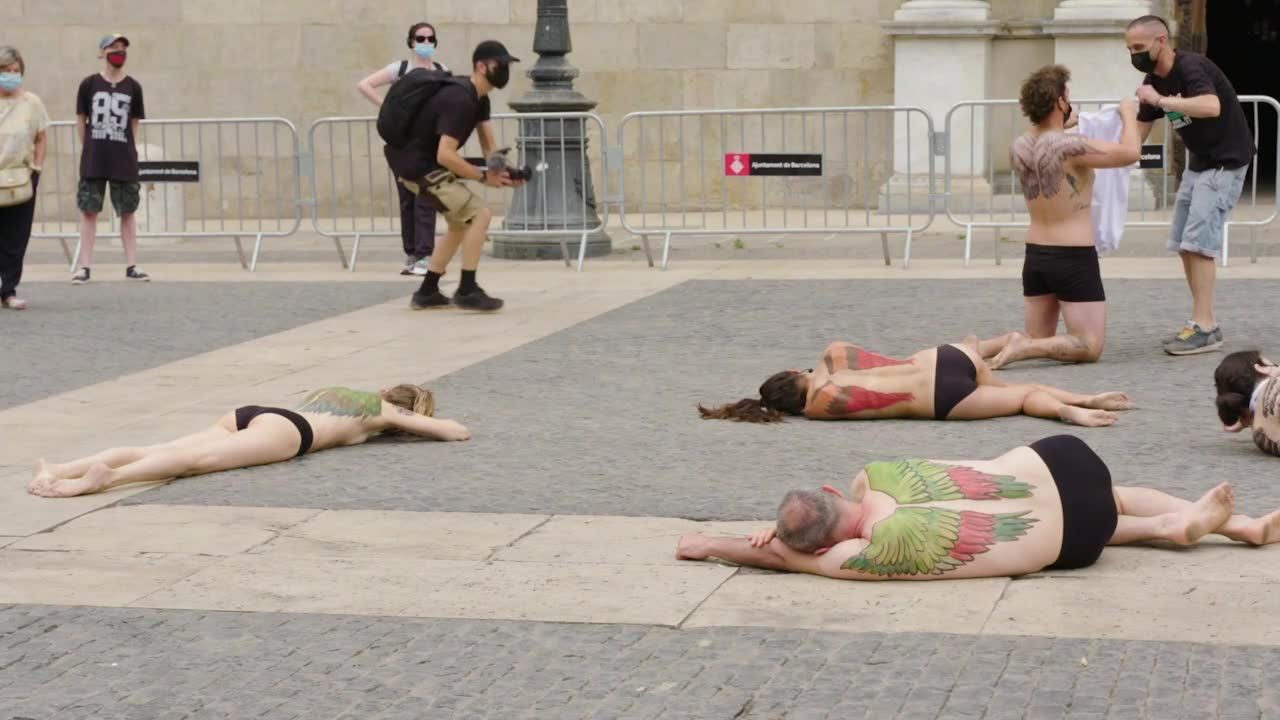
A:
[(108, 108), (1200, 103), (431, 165)]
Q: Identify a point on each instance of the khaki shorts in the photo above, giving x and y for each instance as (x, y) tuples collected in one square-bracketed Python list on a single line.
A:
[(449, 196)]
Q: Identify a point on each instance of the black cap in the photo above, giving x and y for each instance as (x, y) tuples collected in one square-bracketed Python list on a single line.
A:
[(492, 50)]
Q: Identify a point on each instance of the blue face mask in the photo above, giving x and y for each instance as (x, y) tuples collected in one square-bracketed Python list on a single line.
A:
[(424, 50), (10, 81)]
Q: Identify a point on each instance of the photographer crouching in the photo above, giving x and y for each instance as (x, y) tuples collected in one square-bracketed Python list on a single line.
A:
[(425, 120)]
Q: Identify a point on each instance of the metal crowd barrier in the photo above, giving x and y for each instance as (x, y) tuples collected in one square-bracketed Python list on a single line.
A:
[(982, 190), (691, 173), (249, 184), (354, 193)]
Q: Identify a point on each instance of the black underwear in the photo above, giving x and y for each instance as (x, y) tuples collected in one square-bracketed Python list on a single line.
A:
[(1088, 508), (1071, 274), (246, 414), (954, 378)]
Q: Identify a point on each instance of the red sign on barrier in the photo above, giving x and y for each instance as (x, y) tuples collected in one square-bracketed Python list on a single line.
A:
[(736, 164)]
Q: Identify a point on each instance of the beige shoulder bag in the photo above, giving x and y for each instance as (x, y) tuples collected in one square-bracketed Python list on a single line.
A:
[(15, 183)]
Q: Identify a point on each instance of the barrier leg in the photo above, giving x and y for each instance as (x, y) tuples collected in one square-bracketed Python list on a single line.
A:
[(1226, 242), (582, 252), (564, 249), (666, 250), (66, 251), (355, 253), (906, 251), (257, 248), (884, 246), (1253, 245), (996, 234), (968, 244), (74, 260), (644, 239), (342, 254), (240, 252)]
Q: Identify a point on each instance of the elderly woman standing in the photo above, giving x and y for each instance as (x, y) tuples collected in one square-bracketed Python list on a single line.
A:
[(23, 143)]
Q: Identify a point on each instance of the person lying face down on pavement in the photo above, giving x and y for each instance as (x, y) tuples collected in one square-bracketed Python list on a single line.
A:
[(1049, 504)]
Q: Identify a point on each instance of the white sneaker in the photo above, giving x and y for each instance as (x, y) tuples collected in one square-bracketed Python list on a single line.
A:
[(421, 267), (81, 277), (409, 261)]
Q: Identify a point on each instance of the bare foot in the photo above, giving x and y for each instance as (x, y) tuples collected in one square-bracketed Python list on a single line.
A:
[(1263, 531), (971, 341), (1087, 417), (92, 481), (1202, 517), (1110, 401), (691, 546), (44, 471), (1012, 351)]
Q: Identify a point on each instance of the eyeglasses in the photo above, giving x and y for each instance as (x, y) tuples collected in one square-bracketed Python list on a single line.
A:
[(424, 38)]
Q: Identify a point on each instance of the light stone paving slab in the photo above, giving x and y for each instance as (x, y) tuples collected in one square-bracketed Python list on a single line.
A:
[(1213, 560), (85, 578), (22, 513), (256, 583), (6, 541), (614, 540), (649, 595), (187, 530), (1140, 608), (806, 601), (377, 534)]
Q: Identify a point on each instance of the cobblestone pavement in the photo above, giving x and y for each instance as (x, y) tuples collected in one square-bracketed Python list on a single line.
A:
[(72, 663), (600, 418), (57, 346)]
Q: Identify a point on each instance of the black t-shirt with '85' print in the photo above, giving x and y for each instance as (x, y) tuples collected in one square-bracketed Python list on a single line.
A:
[(110, 151)]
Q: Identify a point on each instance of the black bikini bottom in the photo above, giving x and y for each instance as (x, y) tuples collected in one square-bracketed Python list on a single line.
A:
[(246, 414)]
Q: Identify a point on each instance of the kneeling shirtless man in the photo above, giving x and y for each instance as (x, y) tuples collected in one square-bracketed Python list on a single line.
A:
[(1047, 505)]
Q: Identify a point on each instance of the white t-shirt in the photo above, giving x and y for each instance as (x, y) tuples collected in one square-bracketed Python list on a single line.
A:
[(395, 68), (22, 117)]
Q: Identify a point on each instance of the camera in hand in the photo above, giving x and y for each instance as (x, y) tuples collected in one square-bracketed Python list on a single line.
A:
[(497, 162)]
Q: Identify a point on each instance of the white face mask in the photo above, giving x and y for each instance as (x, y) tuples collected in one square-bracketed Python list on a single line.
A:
[(10, 81)]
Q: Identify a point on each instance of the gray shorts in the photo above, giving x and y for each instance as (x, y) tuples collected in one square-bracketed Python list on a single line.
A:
[(1200, 211)]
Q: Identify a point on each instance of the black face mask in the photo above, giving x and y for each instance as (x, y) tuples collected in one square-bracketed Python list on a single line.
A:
[(499, 75), (1143, 61)]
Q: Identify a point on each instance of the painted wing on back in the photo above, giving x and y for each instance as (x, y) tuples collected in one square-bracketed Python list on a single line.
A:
[(917, 481), (931, 541)]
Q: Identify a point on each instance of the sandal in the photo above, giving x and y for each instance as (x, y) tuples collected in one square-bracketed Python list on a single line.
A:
[(14, 303)]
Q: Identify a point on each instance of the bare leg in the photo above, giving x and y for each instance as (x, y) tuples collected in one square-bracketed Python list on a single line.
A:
[(1147, 502), (88, 235), (116, 457), (444, 251), (1086, 334), (129, 238), (1201, 277), (991, 401), (1185, 526), (268, 439), (474, 239), (1101, 401)]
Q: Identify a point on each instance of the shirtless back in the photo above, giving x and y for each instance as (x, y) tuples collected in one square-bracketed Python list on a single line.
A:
[(1058, 190), (852, 383)]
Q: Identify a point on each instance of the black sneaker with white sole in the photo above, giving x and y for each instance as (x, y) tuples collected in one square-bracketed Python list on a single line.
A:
[(81, 277), (434, 301), (133, 273), (477, 300)]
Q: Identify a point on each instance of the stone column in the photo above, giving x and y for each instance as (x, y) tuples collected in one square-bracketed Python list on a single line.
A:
[(1089, 40), (554, 198), (942, 56)]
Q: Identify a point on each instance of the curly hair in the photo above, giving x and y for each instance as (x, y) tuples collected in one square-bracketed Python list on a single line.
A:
[(1041, 92)]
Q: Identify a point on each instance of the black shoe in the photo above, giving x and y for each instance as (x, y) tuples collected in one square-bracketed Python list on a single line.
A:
[(133, 273), (434, 301), (477, 300)]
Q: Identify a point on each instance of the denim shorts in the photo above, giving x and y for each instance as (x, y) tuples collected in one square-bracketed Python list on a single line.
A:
[(1200, 211)]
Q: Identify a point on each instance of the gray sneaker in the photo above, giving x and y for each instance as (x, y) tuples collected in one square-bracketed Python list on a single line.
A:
[(420, 267), (1195, 340), (409, 261)]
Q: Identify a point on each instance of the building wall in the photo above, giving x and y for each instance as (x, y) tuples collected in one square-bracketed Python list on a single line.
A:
[(300, 59)]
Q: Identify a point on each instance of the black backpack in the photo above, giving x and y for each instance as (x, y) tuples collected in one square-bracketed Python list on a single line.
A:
[(406, 99)]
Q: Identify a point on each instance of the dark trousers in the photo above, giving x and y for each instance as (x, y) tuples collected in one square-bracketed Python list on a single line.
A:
[(417, 224), (15, 233)]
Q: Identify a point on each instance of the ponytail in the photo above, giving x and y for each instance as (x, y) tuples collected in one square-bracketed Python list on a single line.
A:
[(745, 410)]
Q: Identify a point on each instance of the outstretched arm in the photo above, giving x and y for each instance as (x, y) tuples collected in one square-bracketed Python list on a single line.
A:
[(773, 555), (427, 427)]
